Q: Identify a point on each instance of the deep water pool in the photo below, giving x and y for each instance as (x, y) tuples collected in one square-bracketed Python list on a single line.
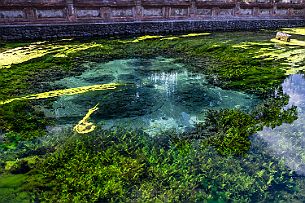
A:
[(160, 95)]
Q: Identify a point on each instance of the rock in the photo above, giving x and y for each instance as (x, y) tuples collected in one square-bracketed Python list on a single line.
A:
[(283, 36)]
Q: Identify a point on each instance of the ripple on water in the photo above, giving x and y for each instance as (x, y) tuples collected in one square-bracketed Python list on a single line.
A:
[(162, 95)]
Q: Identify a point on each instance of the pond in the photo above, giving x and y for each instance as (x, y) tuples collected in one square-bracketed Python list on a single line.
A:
[(161, 94), (198, 117)]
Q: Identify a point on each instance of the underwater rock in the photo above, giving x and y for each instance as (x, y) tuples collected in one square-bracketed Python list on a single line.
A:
[(133, 102), (195, 95), (283, 36), (129, 102)]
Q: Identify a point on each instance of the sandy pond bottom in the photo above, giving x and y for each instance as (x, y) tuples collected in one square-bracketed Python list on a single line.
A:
[(161, 95)]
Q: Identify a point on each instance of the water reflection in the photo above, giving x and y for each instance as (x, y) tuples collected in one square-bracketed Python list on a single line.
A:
[(163, 95), (288, 140)]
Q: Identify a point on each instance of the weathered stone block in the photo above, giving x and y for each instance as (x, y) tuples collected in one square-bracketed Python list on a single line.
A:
[(298, 12), (50, 13), (265, 12), (179, 12), (203, 11), (281, 12), (12, 14), (84, 13), (123, 12), (152, 12), (245, 12), (225, 12)]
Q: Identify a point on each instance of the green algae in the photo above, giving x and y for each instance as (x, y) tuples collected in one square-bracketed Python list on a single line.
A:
[(296, 31), (217, 52), (124, 166), (11, 189), (20, 121), (229, 130), (128, 166), (22, 54), (57, 93)]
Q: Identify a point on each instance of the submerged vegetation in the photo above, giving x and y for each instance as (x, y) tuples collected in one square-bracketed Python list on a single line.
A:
[(57, 93), (83, 125), (215, 162), (125, 166)]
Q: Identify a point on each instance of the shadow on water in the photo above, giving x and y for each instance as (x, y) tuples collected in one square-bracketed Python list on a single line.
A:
[(162, 94)]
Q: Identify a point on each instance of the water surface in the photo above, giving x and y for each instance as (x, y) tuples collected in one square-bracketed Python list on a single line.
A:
[(161, 94), (287, 141)]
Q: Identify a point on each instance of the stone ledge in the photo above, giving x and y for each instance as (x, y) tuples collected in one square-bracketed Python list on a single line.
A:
[(55, 31)]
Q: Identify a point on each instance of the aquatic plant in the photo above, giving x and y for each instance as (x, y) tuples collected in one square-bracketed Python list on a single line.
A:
[(272, 112), (83, 126), (20, 121), (122, 166), (21, 117), (229, 130), (35, 50), (296, 31), (11, 189), (71, 91)]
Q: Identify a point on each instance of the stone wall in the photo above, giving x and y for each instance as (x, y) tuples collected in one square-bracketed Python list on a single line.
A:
[(33, 19), (54, 31), (79, 11)]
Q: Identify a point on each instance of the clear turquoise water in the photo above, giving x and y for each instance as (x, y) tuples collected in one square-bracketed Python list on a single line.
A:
[(162, 95)]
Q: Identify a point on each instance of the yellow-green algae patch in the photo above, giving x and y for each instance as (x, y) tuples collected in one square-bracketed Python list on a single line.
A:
[(147, 37), (196, 34), (293, 57), (169, 38), (65, 50), (71, 91), (19, 55), (83, 126), (296, 31), (293, 42), (39, 49), (292, 54)]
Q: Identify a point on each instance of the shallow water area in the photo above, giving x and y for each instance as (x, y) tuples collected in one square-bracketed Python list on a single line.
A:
[(160, 94)]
